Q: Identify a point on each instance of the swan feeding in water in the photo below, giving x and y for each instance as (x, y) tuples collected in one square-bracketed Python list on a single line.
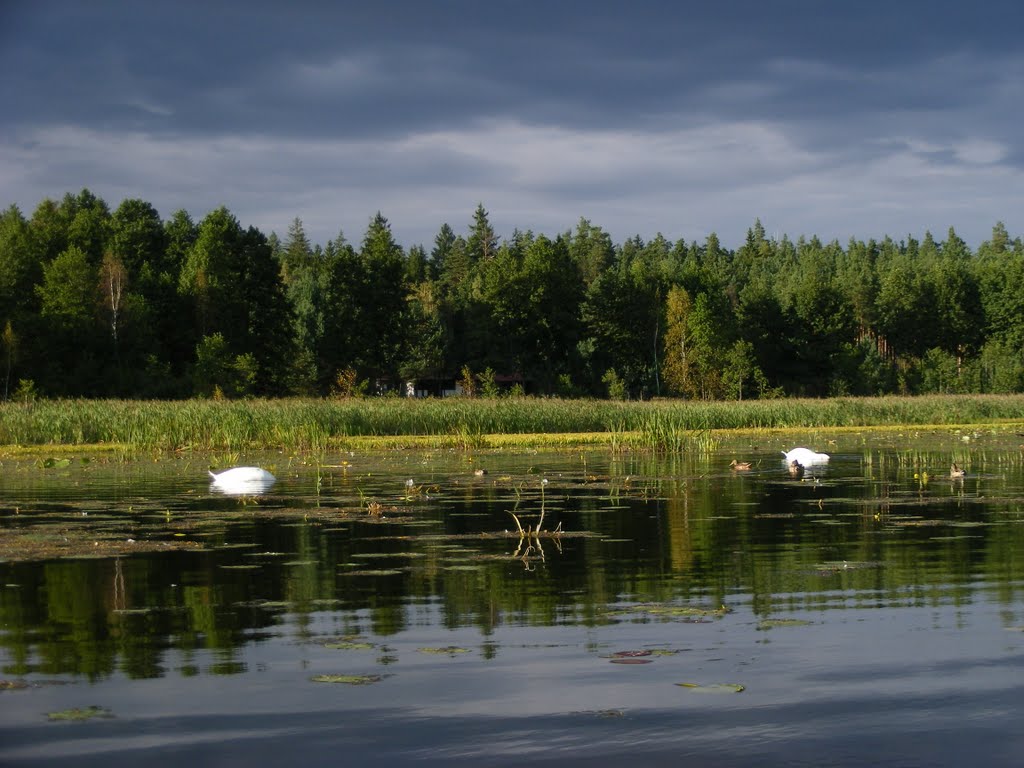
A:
[(242, 481), (805, 457)]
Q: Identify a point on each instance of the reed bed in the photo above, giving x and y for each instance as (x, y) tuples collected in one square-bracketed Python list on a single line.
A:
[(302, 424)]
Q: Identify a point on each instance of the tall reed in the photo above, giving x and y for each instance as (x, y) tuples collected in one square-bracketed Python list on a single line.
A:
[(313, 424)]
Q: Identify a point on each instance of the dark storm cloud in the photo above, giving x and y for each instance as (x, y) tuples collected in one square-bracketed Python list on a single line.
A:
[(826, 116), (353, 69)]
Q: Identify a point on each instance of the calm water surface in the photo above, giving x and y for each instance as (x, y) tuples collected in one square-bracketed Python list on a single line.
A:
[(872, 612)]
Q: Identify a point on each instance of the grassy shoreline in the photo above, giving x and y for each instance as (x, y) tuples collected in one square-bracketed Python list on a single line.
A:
[(312, 424)]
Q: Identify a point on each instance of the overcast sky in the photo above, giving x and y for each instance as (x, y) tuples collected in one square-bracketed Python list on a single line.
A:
[(820, 117)]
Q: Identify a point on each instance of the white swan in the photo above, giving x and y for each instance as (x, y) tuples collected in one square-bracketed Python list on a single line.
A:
[(805, 457), (242, 481)]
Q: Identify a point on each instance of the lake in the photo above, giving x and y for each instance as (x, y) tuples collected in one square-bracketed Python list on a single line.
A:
[(385, 607)]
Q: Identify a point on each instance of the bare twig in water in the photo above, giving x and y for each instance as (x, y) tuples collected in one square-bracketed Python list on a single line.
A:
[(518, 525)]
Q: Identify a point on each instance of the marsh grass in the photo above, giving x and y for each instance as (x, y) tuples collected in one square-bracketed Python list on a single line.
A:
[(465, 423)]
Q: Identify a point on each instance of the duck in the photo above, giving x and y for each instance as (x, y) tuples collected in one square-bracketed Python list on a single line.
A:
[(740, 466), (242, 480), (955, 472), (805, 457), (796, 469)]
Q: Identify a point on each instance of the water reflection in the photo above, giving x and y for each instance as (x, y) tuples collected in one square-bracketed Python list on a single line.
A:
[(873, 570)]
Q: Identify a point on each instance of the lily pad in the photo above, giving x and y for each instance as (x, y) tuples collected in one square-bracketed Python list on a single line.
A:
[(381, 555), (349, 646), (672, 611), (771, 623), (629, 660), (347, 679), (51, 463), (713, 688), (449, 649), (80, 713), (268, 554)]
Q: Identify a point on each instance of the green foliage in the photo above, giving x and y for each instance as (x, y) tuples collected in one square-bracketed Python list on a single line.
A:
[(565, 387), (939, 372), (616, 386), (424, 356), (488, 387), (26, 391), (347, 384), (120, 303), (20, 267), (213, 364), (381, 303), (467, 382), (741, 372), (9, 342), (68, 291), (622, 315), (999, 369), (482, 243), (137, 237), (218, 370)]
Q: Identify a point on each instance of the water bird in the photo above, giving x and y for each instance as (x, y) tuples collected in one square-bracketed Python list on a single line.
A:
[(805, 457), (955, 472), (796, 469), (740, 466), (479, 472), (242, 480)]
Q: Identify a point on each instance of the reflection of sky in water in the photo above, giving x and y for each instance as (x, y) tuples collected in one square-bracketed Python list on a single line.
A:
[(911, 584), (892, 678)]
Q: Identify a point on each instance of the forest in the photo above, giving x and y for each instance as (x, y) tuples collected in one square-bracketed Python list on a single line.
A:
[(124, 304)]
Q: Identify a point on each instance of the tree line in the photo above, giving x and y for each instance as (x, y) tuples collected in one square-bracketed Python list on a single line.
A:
[(101, 303)]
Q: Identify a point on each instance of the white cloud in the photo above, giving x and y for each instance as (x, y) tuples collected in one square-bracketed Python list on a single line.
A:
[(979, 151), (683, 183)]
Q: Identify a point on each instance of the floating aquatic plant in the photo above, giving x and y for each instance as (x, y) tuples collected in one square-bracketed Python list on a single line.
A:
[(350, 646), (347, 679), (771, 623), (51, 463), (713, 688), (80, 713), (686, 611), (601, 712)]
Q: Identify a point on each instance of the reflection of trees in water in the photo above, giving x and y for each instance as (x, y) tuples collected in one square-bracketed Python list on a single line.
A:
[(878, 529)]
